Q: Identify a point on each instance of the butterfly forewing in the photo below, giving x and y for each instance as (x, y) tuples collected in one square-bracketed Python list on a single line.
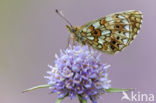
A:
[(111, 33)]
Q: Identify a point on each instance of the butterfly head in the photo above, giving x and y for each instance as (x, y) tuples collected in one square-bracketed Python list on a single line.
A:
[(71, 29)]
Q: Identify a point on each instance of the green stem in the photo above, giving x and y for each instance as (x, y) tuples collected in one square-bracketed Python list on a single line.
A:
[(81, 99), (59, 100), (117, 90), (37, 87)]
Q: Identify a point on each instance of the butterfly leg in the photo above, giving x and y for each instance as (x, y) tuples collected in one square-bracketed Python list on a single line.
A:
[(69, 41), (89, 46), (73, 42)]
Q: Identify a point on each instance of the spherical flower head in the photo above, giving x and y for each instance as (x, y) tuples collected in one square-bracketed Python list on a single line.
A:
[(78, 71)]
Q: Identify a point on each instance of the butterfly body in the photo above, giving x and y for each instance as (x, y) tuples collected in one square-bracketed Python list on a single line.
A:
[(111, 33)]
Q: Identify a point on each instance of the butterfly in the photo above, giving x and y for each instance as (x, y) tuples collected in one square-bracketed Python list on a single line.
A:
[(109, 34)]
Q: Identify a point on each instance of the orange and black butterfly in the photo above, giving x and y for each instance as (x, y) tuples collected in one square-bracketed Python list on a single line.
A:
[(109, 34)]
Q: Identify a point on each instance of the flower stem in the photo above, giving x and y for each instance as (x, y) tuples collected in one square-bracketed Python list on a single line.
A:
[(81, 99), (117, 90), (37, 87), (59, 100)]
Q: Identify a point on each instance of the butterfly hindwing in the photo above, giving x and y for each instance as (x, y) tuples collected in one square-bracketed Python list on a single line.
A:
[(111, 33)]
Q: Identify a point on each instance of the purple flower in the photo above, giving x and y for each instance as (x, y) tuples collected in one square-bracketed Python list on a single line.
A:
[(78, 71)]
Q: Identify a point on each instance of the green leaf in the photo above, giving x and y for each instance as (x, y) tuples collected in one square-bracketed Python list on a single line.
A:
[(81, 99), (84, 101), (37, 87), (59, 100), (117, 90)]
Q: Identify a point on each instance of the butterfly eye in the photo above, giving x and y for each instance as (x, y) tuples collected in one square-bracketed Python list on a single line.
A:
[(72, 30)]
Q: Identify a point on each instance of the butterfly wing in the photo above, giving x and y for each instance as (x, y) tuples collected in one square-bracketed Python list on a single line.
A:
[(112, 33)]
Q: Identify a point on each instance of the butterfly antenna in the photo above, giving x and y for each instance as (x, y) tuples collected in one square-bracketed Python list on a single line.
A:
[(59, 12)]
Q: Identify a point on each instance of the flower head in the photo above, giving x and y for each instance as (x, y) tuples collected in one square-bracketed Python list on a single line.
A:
[(78, 71)]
